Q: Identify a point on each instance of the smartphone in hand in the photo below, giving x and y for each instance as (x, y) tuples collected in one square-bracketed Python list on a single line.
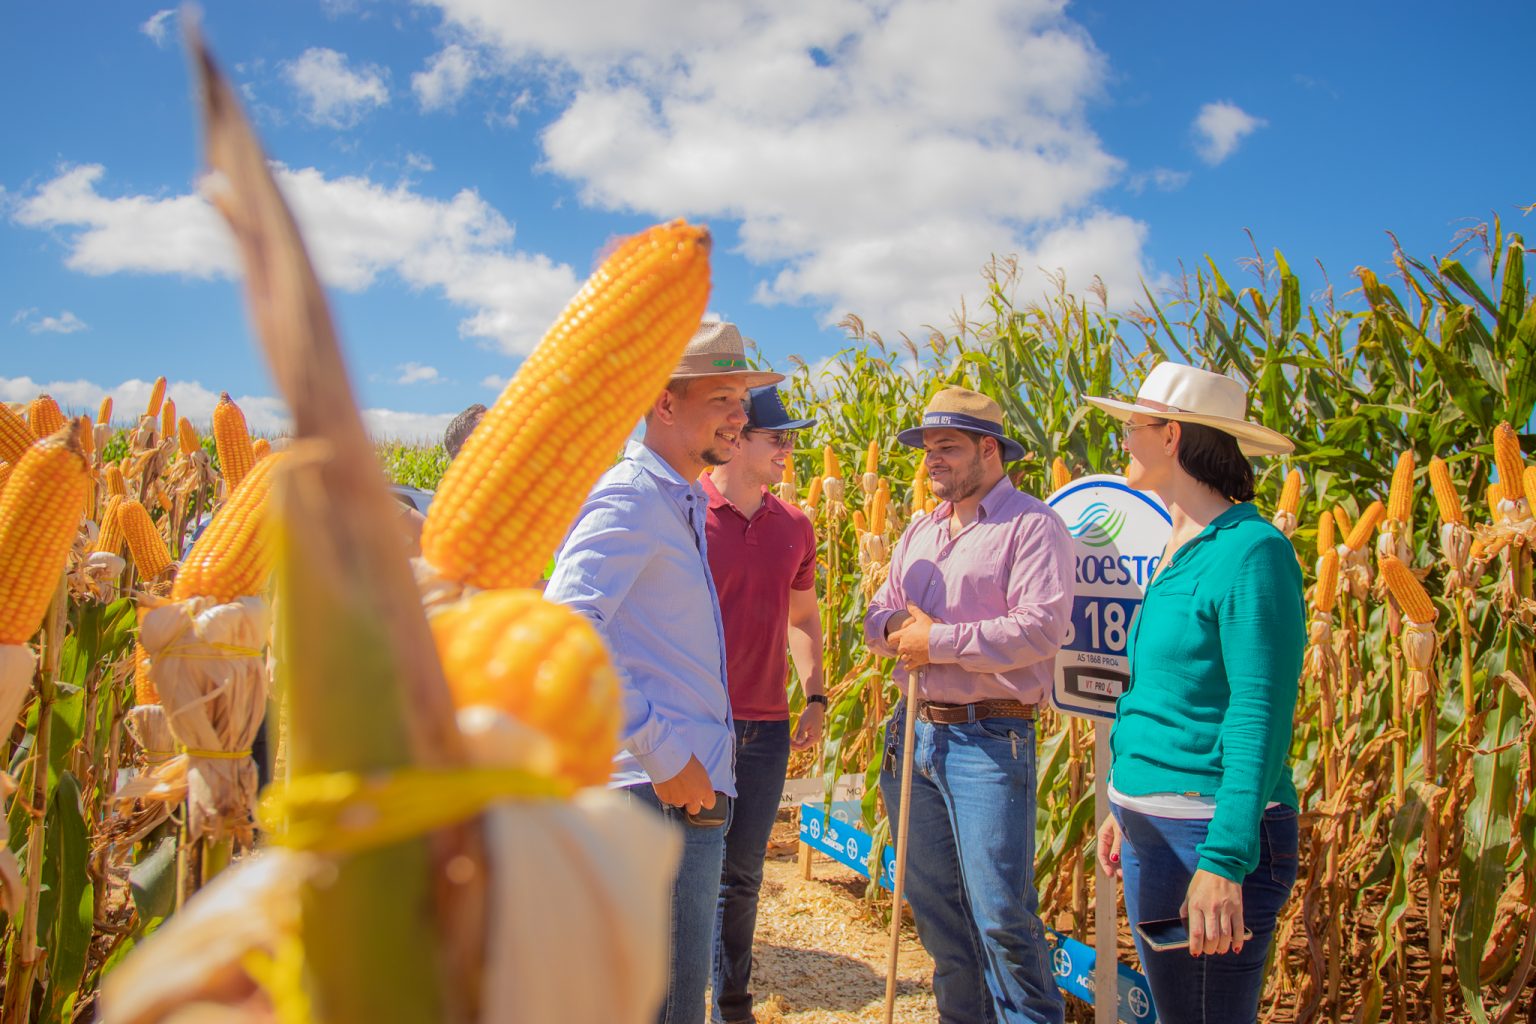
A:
[(1170, 933)]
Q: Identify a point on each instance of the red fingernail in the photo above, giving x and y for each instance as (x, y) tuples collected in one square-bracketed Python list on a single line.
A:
[(1115, 857)]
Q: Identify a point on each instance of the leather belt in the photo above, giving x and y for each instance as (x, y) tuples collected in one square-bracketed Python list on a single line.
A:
[(958, 714)]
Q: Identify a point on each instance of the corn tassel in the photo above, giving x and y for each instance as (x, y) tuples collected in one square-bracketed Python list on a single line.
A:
[(44, 417), (503, 505), (150, 555), (233, 557), (39, 517)]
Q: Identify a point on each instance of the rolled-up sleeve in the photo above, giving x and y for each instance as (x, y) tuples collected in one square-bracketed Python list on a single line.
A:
[(603, 555), (1039, 596), (888, 600)]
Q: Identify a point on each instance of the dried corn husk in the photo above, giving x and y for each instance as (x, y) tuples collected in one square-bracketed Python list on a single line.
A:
[(212, 678)]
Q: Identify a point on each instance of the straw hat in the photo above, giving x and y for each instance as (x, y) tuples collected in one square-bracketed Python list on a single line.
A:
[(963, 409), (716, 350), (1173, 391)]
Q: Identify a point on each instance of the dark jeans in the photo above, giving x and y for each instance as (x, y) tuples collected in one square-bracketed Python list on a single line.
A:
[(693, 897), (762, 758), (1159, 859), (971, 868)]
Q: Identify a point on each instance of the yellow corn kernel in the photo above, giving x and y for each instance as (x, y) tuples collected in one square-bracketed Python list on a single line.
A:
[(789, 473), (168, 419), (144, 692), (1495, 494), (1528, 479), (872, 457), (1446, 498), (233, 442), (920, 492), (1326, 591), (1506, 455), (110, 537), (540, 663), (5, 474), (877, 511), (829, 464), (1341, 516), (186, 437), (1325, 527), (112, 475), (814, 497), (503, 506), (156, 396), (859, 522), (1366, 525), (44, 416), (104, 411), (150, 555), (1409, 593), (15, 436), (1290, 493), (261, 448), (39, 517), (233, 557), (1060, 474), (87, 436), (1400, 494)]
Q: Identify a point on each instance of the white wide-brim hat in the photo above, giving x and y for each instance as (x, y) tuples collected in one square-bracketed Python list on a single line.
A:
[(717, 349), (1173, 391)]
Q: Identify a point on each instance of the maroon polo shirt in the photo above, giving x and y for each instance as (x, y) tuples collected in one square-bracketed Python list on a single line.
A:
[(756, 562)]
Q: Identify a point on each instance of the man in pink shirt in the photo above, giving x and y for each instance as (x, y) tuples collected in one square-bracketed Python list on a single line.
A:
[(762, 554), (978, 602)]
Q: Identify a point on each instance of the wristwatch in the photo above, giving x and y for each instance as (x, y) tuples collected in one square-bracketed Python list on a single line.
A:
[(817, 698)]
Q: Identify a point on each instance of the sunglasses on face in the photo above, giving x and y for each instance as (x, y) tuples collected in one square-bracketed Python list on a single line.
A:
[(777, 438)]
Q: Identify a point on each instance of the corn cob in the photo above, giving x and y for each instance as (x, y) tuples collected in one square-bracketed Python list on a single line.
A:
[(813, 498), (233, 442), (1495, 495), (15, 436), (504, 504), (144, 692), (1326, 591), (150, 555), (112, 476), (104, 411), (1446, 498), (1410, 594), (859, 522), (39, 516), (44, 416), (156, 396), (1360, 534), (1325, 528), (110, 539), (261, 448), (1060, 474), (186, 437), (1341, 516), (5, 474), (832, 480), (1528, 479), (168, 419), (871, 478), (1290, 493), (87, 436), (1400, 494), (541, 663), (877, 511), (233, 557), (1506, 455), (919, 493), (829, 463)]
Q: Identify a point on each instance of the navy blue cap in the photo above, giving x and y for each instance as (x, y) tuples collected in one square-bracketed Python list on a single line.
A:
[(765, 411)]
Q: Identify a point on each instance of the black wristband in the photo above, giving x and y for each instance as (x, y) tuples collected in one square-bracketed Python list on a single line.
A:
[(817, 698)]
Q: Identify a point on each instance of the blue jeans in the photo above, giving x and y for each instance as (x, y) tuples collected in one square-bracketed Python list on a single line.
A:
[(762, 758), (971, 866), (693, 903), (1159, 859)]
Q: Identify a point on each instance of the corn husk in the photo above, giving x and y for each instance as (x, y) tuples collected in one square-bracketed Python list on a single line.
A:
[(212, 678), (18, 662)]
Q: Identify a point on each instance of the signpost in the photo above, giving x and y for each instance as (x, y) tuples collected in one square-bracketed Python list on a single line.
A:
[(1118, 537)]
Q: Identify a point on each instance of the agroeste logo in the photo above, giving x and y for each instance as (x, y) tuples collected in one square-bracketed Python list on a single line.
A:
[(1097, 526)]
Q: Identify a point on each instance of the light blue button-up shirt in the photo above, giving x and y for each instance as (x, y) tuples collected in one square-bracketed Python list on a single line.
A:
[(636, 568)]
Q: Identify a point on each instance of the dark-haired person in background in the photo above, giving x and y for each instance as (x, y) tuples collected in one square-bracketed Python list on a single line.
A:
[(1204, 810)]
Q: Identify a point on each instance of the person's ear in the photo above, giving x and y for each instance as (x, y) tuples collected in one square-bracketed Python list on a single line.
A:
[(664, 410), (1175, 432)]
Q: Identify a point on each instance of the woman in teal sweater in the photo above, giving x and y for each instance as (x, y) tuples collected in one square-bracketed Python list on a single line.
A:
[(1204, 811)]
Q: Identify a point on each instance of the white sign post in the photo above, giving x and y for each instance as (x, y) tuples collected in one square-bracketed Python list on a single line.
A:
[(1118, 536)]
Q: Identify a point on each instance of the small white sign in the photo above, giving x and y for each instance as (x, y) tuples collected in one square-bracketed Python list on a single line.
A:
[(1118, 537), (814, 790)]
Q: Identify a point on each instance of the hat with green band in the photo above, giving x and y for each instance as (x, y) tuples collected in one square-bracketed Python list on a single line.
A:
[(716, 350)]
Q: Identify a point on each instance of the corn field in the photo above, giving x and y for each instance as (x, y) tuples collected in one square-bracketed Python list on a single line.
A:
[(129, 785)]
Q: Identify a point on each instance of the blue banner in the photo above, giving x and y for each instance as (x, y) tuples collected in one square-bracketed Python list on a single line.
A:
[(835, 832)]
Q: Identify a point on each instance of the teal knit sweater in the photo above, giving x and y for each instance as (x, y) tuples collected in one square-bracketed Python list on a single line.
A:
[(1216, 652)]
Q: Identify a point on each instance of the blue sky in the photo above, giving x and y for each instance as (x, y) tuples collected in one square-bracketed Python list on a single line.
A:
[(458, 163)]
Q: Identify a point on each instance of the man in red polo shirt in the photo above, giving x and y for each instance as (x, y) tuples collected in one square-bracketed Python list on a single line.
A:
[(762, 554)]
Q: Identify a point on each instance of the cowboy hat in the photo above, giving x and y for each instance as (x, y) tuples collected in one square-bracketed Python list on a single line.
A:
[(963, 409), (717, 349), (1173, 391)]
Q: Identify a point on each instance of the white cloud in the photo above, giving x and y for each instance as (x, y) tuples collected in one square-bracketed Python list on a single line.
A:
[(1220, 127), (873, 150), (158, 25), (494, 381), (65, 323), (1161, 178), (263, 414), (419, 162), (356, 229), (415, 373), (334, 94), (448, 76)]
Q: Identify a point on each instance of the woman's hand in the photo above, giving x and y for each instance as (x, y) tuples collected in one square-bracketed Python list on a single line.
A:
[(1109, 847), (1213, 906)]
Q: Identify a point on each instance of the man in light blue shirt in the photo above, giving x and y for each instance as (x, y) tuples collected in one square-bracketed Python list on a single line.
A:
[(635, 564)]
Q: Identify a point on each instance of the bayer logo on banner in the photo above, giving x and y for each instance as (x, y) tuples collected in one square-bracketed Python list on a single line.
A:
[(1118, 536)]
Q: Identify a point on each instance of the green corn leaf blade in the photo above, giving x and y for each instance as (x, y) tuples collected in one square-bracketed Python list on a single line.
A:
[(1454, 272), (152, 881), (69, 916)]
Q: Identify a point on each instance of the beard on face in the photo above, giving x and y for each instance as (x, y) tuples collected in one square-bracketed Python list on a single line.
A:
[(964, 481)]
